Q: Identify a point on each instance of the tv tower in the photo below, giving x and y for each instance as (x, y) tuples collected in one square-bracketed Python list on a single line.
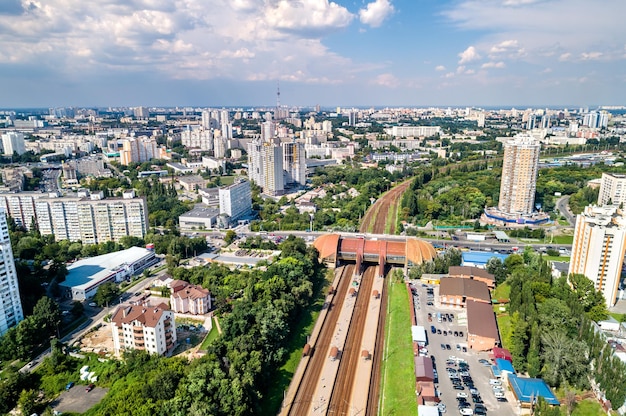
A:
[(277, 112)]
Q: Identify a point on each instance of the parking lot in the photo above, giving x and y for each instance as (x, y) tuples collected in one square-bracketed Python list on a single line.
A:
[(78, 400), (454, 361)]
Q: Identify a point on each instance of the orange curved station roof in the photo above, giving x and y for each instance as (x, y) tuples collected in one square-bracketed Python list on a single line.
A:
[(334, 247)]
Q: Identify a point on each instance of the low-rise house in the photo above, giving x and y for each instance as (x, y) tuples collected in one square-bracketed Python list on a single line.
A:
[(191, 299)]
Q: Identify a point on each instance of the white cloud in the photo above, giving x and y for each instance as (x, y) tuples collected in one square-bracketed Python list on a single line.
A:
[(386, 80), (591, 56), (531, 31), (504, 46), (440, 68), (468, 55), (565, 57), (191, 39), (375, 13), (498, 65), (308, 16)]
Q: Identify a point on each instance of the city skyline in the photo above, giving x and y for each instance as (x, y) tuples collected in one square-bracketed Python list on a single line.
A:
[(342, 52)]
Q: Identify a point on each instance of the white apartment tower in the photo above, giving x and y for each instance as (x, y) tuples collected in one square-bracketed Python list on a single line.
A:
[(219, 146), (236, 200), (144, 327), (197, 138), (294, 163), (598, 248), (519, 175), (138, 150), (13, 142), (265, 166), (273, 180), (11, 312), (206, 119), (612, 189), (91, 221)]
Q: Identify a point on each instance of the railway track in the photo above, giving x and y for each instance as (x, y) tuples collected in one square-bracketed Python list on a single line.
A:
[(302, 402), (339, 403), (377, 356)]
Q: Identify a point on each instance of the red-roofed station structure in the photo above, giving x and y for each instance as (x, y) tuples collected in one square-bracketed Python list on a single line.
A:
[(335, 248)]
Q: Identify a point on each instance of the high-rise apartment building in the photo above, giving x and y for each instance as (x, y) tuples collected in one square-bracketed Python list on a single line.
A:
[(236, 200), (294, 163), (143, 327), (75, 218), (265, 166), (273, 179), (138, 150), (13, 142), (11, 312), (197, 138), (612, 189), (219, 146), (598, 248), (519, 175)]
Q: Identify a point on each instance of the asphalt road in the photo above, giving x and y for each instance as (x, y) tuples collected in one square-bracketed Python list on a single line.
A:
[(562, 204)]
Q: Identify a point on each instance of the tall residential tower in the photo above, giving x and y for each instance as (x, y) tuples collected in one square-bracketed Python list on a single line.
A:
[(10, 306), (519, 175), (598, 248)]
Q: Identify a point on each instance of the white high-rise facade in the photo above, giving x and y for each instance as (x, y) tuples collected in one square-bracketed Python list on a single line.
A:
[(236, 200), (13, 142), (294, 163), (11, 312), (598, 248), (520, 168), (612, 189), (197, 138), (138, 150), (265, 166), (79, 219)]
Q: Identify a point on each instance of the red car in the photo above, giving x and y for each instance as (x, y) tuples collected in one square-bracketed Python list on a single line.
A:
[(90, 387)]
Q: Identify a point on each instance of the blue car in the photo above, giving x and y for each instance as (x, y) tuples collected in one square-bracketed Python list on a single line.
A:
[(432, 329), (69, 385)]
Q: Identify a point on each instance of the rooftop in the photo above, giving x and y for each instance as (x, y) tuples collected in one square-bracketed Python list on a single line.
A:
[(527, 389), (92, 269), (481, 320)]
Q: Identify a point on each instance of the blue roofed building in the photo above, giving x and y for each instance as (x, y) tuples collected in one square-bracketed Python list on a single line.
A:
[(86, 275), (502, 368), (528, 390), (479, 258)]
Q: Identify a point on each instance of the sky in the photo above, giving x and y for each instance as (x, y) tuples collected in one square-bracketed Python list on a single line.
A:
[(333, 53)]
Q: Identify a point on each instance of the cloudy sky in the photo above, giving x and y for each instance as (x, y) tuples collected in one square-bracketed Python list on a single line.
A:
[(341, 52)]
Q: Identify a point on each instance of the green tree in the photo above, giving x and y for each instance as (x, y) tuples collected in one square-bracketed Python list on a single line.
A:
[(230, 237), (106, 293), (47, 315)]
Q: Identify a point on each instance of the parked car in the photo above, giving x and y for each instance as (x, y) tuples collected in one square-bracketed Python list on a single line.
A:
[(484, 362), (69, 385), (90, 387), (462, 394), (433, 329), (495, 382), (466, 411)]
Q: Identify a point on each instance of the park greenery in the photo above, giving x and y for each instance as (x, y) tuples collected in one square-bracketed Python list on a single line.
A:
[(260, 309), (552, 334)]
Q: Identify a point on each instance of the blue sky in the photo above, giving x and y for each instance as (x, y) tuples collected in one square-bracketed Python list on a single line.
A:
[(332, 53)]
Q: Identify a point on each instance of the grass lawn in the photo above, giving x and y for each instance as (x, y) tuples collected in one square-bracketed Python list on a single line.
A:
[(563, 239), (617, 316), (502, 291), (398, 378), (556, 258), (370, 226), (586, 408), (227, 180), (504, 325), (211, 336)]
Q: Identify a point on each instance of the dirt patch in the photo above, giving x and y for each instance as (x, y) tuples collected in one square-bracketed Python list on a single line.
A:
[(98, 341)]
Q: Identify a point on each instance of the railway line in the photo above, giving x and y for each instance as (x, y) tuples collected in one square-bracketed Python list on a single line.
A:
[(340, 400), (346, 392), (301, 405)]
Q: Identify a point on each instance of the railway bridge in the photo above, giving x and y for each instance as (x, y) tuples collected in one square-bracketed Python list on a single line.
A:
[(335, 249)]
